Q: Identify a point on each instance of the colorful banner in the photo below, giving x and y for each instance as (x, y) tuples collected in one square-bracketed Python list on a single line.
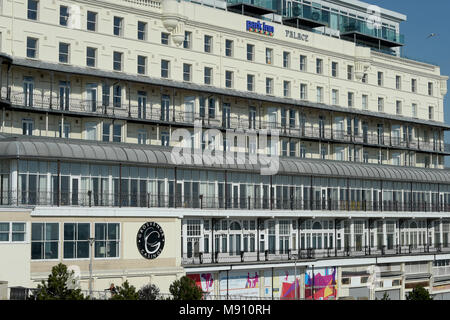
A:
[(285, 284), (245, 284), (204, 281), (324, 284)]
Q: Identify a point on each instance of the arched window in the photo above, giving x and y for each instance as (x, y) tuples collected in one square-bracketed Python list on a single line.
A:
[(235, 226), (317, 226), (413, 225)]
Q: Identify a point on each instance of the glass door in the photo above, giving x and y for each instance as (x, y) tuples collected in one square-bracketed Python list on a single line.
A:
[(189, 104), (91, 94), (142, 104)]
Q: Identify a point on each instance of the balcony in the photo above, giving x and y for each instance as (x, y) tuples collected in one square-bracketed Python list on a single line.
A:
[(252, 7), (268, 256), (368, 33), (305, 17), (149, 200), (133, 111)]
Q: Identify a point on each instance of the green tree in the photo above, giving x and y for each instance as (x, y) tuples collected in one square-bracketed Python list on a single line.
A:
[(126, 292), (56, 287), (185, 289), (385, 297), (149, 292), (419, 293)]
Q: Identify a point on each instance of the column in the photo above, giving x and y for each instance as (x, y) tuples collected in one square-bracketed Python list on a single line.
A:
[(352, 235), (384, 233), (184, 233), (441, 233), (14, 181)]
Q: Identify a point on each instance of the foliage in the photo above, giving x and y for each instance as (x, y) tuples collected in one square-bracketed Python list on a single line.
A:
[(56, 287), (419, 293), (149, 292), (385, 297), (126, 292), (185, 289)]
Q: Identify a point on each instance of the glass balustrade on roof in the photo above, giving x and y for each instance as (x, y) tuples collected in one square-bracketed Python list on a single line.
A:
[(388, 36), (258, 7)]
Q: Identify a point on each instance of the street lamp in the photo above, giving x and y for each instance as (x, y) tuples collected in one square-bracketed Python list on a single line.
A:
[(91, 243)]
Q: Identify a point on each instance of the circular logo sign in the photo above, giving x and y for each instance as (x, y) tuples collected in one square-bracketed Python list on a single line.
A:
[(150, 240)]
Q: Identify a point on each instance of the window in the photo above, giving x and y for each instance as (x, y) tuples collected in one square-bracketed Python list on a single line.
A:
[(229, 48), (250, 52), (142, 137), (187, 72), (365, 102), (106, 132), (398, 82), (431, 113), (250, 82), (208, 75), (32, 48), (303, 91), (334, 97), (117, 61), (117, 133), (286, 89), (165, 139), (76, 240), (414, 110), (187, 44), (269, 86), (12, 232), (64, 52), (414, 85), (208, 44), (107, 240), (303, 63), (319, 66), (302, 152), (396, 159), (334, 69), (106, 90), (269, 56), (117, 96), (286, 59), (380, 104), (319, 94), (398, 107), (44, 241), (229, 79), (28, 88), (91, 131), (164, 38), (27, 127), (365, 78), (349, 72), (32, 12), (292, 149), (92, 21), (165, 107), (430, 88), (165, 68), (366, 157), (211, 108), (380, 78), (118, 26), (142, 30), (66, 132), (351, 100), (91, 57), (141, 65), (63, 15)]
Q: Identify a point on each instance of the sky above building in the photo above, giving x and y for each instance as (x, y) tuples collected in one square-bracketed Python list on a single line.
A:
[(424, 20)]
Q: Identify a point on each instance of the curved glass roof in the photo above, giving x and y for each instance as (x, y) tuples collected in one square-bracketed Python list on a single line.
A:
[(40, 148)]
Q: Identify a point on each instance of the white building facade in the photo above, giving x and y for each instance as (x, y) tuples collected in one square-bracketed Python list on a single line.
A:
[(94, 96)]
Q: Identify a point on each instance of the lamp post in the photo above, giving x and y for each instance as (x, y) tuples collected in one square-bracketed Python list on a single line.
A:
[(91, 242)]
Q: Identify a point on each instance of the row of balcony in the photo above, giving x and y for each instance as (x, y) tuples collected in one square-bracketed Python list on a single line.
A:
[(149, 200), (146, 112), (197, 258)]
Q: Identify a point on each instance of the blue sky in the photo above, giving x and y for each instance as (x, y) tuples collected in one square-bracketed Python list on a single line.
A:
[(425, 18)]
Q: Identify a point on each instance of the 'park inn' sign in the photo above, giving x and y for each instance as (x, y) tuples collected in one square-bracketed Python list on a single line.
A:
[(261, 28)]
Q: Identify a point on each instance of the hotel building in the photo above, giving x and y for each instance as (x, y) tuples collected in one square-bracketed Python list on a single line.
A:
[(94, 95)]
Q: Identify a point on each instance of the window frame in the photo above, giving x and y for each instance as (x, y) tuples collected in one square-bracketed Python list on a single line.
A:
[(76, 241), (44, 240), (60, 54), (36, 48), (118, 240), (90, 58), (11, 232), (90, 22)]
